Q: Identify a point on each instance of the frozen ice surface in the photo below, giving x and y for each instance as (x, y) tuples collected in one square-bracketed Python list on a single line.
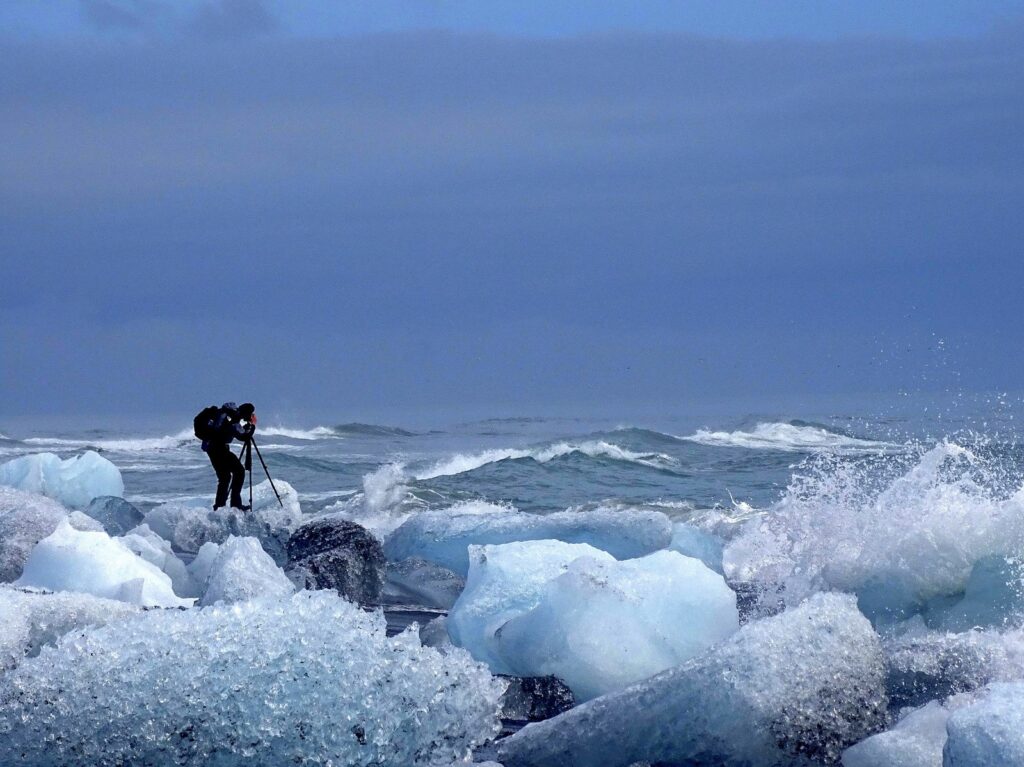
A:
[(990, 732), (927, 665), (903, 541), (504, 581), (74, 482), (444, 536), (94, 563), (691, 541), (311, 679), (199, 568), (244, 571), (25, 519), (145, 543), (115, 514), (915, 741), (190, 524), (804, 684), (419, 582), (30, 619), (603, 625)]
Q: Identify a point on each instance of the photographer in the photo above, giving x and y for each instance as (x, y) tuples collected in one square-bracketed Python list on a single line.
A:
[(219, 427)]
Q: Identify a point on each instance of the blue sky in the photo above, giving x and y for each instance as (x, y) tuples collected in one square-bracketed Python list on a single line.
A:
[(359, 207)]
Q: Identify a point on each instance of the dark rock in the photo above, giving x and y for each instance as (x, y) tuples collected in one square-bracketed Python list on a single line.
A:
[(333, 553), (115, 514), (534, 699)]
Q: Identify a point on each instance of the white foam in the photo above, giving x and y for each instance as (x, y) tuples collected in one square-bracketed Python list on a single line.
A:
[(786, 437), (461, 462), (839, 526), (319, 432), (125, 445)]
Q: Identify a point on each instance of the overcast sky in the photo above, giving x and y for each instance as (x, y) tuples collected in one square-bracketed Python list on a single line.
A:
[(357, 207)]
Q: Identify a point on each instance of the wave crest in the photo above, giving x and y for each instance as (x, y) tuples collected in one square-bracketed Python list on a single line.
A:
[(786, 436)]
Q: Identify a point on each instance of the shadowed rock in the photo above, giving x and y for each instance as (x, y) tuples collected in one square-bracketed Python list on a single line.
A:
[(334, 553)]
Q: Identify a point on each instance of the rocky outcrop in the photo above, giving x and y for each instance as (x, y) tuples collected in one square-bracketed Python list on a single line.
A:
[(334, 553)]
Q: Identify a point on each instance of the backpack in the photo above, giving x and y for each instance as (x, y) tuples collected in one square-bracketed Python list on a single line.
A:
[(202, 424)]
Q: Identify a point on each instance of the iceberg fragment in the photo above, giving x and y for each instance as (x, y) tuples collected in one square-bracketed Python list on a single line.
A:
[(31, 619), (444, 536), (244, 571), (115, 514), (190, 524), (25, 519), (74, 482), (307, 679), (802, 685), (504, 581), (416, 581), (691, 541), (602, 626), (989, 732), (94, 563), (916, 740), (145, 543)]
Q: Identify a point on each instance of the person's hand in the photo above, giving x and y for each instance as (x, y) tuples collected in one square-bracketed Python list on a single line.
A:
[(252, 419)]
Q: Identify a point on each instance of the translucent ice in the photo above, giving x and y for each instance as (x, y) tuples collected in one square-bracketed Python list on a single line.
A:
[(155, 550), (444, 536), (115, 514), (244, 571), (990, 732), (29, 619), (311, 679), (902, 538), (603, 625), (74, 482), (25, 519), (915, 741), (94, 563), (804, 684), (504, 581), (691, 541), (188, 525), (419, 582)]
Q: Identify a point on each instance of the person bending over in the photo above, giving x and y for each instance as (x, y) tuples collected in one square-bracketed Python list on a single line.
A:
[(221, 428)]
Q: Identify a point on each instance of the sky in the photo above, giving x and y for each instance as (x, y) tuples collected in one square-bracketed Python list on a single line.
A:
[(361, 208)]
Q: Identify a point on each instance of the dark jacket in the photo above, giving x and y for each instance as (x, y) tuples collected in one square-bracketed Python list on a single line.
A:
[(226, 428)]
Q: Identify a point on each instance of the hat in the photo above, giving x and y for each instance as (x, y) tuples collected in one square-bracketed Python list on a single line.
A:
[(246, 409)]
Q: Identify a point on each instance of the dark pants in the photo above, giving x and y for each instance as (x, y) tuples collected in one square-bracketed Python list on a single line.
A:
[(229, 471)]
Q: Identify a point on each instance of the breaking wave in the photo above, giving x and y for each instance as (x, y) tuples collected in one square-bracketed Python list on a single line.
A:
[(336, 432), (462, 463), (787, 436), (124, 445)]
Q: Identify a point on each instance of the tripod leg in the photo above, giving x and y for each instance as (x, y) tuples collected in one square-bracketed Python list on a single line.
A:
[(265, 471), (249, 462)]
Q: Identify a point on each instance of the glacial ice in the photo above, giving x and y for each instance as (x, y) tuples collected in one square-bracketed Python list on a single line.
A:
[(31, 619), (25, 519), (190, 524), (989, 732), (691, 541), (311, 679), (115, 514), (897, 543), (444, 536), (94, 563), (73, 482), (144, 543), (419, 582), (803, 684), (916, 740), (928, 665), (243, 571), (504, 581), (603, 625)]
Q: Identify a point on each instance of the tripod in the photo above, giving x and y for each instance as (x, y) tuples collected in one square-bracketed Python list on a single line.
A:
[(247, 447)]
